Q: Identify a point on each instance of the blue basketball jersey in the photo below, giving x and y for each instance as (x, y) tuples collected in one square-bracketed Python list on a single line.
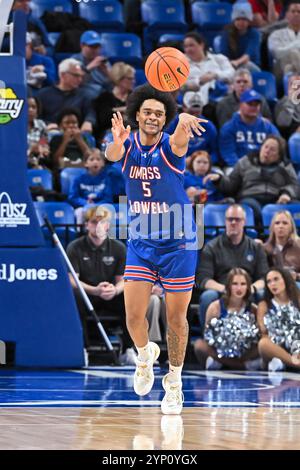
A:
[(160, 212)]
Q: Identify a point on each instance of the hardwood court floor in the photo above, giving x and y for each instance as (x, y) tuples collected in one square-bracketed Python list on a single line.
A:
[(96, 409)]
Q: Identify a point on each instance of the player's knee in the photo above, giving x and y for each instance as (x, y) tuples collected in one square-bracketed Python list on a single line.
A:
[(133, 319), (176, 321)]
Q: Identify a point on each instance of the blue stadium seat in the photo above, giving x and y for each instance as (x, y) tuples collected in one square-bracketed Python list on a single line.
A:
[(265, 84), (269, 210), (60, 213), (294, 149), (40, 6), (162, 17), (124, 47), (104, 15), (214, 217), (217, 43), (211, 17), (171, 37), (36, 177), (53, 38), (67, 177), (140, 77)]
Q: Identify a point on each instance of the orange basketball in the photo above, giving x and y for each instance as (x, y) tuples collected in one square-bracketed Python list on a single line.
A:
[(167, 69)]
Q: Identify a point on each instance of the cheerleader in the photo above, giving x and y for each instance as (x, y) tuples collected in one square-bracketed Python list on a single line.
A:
[(231, 332), (279, 321)]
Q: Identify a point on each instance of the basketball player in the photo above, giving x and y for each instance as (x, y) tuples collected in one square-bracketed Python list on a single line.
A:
[(153, 165)]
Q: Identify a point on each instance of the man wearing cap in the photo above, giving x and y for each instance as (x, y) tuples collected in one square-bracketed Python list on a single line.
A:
[(209, 140), (228, 105), (246, 130), (95, 65)]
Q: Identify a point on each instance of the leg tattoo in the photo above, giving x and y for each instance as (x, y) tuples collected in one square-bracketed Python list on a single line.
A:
[(177, 345)]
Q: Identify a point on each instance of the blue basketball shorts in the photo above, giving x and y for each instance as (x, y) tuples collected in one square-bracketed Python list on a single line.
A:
[(173, 268)]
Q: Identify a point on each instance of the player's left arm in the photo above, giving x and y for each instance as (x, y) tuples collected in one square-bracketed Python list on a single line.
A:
[(187, 124)]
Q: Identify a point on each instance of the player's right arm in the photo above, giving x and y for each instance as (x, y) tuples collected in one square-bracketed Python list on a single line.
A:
[(115, 150)]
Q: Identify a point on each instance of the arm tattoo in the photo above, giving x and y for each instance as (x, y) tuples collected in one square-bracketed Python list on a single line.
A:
[(177, 345)]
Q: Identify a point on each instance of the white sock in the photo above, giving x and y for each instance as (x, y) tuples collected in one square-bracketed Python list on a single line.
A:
[(174, 373), (144, 352)]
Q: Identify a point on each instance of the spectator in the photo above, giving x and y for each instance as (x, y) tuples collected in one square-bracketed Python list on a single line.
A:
[(229, 250), (209, 140), (67, 94), (37, 138), (266, 12), (95, 65), (205, 68), (263, 177), (94, 186), (40, 69), (281, 308), (283, 244), (287, 113), (228, 105), (234, 301), (109, 102), (33, 24), (284, 43), (198, 167), (70, 145), (240, 42), (99, 262), (246, 130)]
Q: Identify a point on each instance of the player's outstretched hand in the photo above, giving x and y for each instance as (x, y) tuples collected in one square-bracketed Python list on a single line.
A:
[(191, 124), (120, 134)]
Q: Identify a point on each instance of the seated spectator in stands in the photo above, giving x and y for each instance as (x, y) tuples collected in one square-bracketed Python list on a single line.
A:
[(236, 300), (209, 140), (287, 112), (70, 146), (99, 262), (198, 167), (33, 24), (246, 130), (205, 68), (265, 12), (95, 65), (109, 102), (37, 138), (262, 177), (228, 105), (283, 244), (231, 249), (94, 186), (40, 69), (240, 42), (284, 43), (67, 94), (278, 316)]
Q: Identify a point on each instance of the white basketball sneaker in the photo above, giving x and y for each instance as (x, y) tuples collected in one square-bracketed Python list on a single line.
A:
[(173, 399), (143, 377)]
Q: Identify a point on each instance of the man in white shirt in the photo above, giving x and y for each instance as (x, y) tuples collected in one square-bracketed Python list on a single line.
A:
[(284, 44)]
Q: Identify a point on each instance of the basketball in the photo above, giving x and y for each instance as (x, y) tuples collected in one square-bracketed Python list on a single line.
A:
[(167, 69)]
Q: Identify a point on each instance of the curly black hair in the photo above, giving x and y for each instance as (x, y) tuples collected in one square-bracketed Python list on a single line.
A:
[(147, 92)]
